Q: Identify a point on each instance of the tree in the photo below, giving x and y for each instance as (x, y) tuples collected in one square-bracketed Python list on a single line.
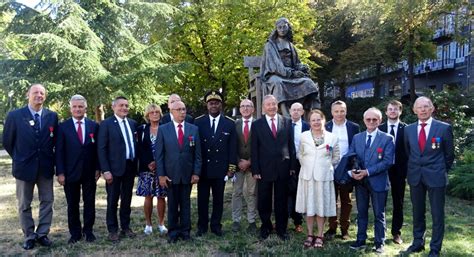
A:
[(99, 49)]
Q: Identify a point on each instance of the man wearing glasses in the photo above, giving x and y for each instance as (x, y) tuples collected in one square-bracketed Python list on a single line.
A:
[(374, 150)]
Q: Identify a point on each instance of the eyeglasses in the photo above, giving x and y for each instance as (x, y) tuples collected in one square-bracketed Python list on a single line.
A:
[(180, 109), (371, 120), (246, 106)]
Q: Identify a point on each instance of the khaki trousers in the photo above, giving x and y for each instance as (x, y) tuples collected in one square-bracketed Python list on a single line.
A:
[(244, 185)]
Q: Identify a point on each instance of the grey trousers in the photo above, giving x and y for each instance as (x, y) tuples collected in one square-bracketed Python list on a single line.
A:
[(244, 185), (24, 195)]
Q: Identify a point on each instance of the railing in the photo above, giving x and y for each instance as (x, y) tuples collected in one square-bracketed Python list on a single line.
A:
[(434, 66)]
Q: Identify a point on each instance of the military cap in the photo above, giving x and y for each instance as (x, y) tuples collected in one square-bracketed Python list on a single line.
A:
[(213, 95)]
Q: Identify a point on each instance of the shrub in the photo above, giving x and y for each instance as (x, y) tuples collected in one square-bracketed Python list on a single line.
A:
[(461, 178)]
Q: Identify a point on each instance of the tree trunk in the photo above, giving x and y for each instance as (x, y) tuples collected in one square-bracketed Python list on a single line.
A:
[(378, 69), (411, 70), (99, 113), (342, 91)]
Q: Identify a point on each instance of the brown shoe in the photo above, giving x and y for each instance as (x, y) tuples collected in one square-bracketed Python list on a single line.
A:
[(114, 237), (329, 235), (127, 233), (397, 239), (299, 229), (345, 236)]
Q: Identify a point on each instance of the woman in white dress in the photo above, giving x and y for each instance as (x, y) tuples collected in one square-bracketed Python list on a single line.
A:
[(318, 155)]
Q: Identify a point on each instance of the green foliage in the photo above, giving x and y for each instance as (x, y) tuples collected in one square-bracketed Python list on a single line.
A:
[(450, 106), (461, 178)]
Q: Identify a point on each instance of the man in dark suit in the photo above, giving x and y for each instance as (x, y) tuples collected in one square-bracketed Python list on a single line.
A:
[(116, 151), (273, 160), (430, 150), (375, 151), (244, 183), (28, 137), (344, 130), (77, 166), (219, 154), (298, 126), (168, 116), (178, 162), (398, 172)]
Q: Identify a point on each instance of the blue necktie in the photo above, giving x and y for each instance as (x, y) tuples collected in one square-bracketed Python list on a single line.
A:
[(369, 141), (392, 131), (213, 128), (129, 142), (37, 125)]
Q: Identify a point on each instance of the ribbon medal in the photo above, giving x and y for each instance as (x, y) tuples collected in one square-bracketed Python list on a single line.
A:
[(191, 141), (91, 135), (51, 130), (379, 153)]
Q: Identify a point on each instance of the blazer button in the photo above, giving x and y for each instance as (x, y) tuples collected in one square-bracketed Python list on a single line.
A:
[(217, 150), (208, 160), (208, 150), (217, 161), (220, 140)]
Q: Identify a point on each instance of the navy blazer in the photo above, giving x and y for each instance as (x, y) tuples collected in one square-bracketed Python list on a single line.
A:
[(179, 164), (112, 147), (167, 118), (433, 164), (351, 127), (376, 164), (32, 154), (273, 158), (400, 154), (144, 148), (218, 150), (74, 159)]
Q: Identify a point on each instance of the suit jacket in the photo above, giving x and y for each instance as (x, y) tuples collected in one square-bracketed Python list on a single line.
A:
[(144, 148), (272, 158), (376, 164), (351, 127), (243, 149), (74, 159), (318, 162), (432, 166), (112, 146), (218, 150), (179, 164), (167, 118), (400, 154), (32, 154)]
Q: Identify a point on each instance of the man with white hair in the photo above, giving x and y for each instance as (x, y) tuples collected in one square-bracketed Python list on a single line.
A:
[(77, 167)]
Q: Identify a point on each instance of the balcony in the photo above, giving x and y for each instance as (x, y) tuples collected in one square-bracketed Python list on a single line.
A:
[(434, 66)]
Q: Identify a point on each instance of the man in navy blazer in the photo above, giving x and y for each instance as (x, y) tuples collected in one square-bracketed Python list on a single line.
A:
[(273, 160), (178, 164), (168, 116), (430, 150), (77, 167), (118, 162), (298, 126), (375, 151), (344, 130), (398, 172), (219, 154), (28, 137)]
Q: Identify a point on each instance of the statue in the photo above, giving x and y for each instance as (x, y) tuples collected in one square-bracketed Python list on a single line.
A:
[(282, 73)]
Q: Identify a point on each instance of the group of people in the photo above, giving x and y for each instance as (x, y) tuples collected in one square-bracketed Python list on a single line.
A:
[(276, 164)]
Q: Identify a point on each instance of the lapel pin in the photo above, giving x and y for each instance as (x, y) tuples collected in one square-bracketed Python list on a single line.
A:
[(32, 123)]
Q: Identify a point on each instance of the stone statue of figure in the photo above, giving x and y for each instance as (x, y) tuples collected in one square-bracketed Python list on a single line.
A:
[(283, 75)]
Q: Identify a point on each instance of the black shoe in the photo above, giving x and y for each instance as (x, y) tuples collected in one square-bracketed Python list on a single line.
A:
[(235, 226), (127, 233), (218, 232), (358, 245), (186, 237), (415, 249), (330, 234), (252, 228), (200, 233), (44, 241), (264, 234), (90, 237), (73, 240), (29, 244), (284, 237), (172, 240), (433, 253)]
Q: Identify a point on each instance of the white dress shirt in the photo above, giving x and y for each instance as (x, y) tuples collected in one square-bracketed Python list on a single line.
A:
[(275, 121), (217, 121), (297, 134), (176, 127), (250, 124), (83, 127), (427, 127), (341, 133), (126, 129)]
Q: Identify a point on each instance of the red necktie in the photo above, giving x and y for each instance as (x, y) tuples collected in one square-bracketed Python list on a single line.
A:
[(79, 132), (422, 137), (180, 136), (246, 131), (274, 129)]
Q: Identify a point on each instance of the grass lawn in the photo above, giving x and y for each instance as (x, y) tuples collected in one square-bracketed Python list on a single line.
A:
[(459, 237)]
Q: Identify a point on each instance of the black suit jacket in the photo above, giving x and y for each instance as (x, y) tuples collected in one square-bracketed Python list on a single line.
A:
[(112, 147), (400, 154), (352, 129), (167, 118), (144, 148), (74, 159), (217, 150), (32, 154), (272, 158)]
